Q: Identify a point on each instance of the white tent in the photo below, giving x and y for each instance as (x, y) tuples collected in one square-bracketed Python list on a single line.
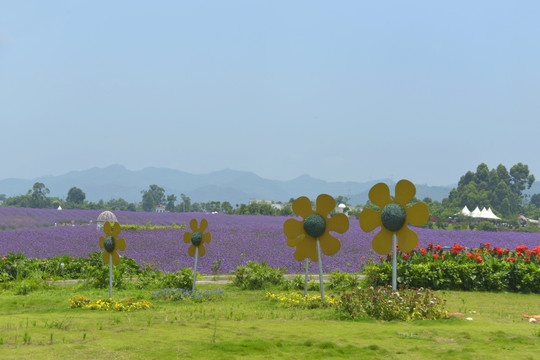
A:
[(483, 214), (465, 211), (491, 215), (476, 212)]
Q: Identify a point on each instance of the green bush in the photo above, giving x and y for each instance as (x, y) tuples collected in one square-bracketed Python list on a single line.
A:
[(97, 273), (383, 303), (256, 275), (453, 275), (298, 283), (182, 279), (486, 226), (342, 281)]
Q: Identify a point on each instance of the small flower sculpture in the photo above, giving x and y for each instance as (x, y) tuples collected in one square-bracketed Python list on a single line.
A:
[(111, 243), (197, 237), (315, 225), (393, 217)]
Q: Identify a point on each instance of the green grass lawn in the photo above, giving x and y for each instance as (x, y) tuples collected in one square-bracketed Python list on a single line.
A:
[(246, 325)]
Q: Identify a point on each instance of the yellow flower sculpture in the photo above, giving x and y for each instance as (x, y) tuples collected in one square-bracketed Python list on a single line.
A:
[(111, 243), (315, 225), (393, 217), (197, 237)]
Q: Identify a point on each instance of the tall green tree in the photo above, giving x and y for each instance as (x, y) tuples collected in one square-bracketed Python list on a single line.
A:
[(153, 197), (38, 196), (75, 196)]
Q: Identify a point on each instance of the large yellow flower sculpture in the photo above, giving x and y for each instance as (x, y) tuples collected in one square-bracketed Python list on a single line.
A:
[(197, 237), (111, 243), (393, 217), (315, 225)]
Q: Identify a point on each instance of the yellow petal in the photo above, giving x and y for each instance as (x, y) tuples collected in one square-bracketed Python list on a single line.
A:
[(202, 250), (292, 242), (206, 237), (107, 228), (405, 191), (120, 244), (191, 250), (370, 219), (293, 228), (193, 225), (407, 239), (329, 244), (338, 223), (306, 248), (204, 225), (187, 237), (380, 195), (382, 242), (418, 214), (325, 204), (115, 258), (302, 207), (116, 229), (101, 241), (106, 257)]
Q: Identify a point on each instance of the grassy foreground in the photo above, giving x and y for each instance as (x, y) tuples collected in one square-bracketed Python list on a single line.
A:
[(245, 325)]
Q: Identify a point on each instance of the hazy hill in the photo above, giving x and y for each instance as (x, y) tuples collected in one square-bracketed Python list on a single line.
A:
[(237, 187)]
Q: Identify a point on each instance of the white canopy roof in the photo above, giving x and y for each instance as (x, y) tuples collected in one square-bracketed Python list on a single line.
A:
[(476, 212), (491, 215), (465, 211)]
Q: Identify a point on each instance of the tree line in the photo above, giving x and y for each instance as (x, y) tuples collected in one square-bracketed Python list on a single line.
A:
[(498, 189)]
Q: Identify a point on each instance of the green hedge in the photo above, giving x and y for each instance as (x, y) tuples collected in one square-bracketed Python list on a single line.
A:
[(450, 275)]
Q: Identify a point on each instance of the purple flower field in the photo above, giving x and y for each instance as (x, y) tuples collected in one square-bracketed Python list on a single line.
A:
[(236, 239)]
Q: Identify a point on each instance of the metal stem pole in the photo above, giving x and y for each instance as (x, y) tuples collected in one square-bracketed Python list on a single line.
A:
[(320, 269), (195, 267), (306, 277), (394, 262), (110, 275)]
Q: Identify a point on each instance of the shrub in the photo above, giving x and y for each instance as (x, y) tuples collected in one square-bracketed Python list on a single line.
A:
[(97, 273), (177, 279), (298, 283), (342, 281), (383, 303), (256, 275), (486, 226)]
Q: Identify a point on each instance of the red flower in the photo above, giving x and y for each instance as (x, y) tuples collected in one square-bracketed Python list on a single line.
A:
[(457, 248), (406, 256), (520, 249), (436, 256), (423, 251), (512, 259), (469, 255)]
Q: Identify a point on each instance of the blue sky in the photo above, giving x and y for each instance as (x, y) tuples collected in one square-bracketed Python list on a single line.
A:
[(342, 91)]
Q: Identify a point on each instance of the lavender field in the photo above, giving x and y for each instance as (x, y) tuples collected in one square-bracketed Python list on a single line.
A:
[(236, 239)]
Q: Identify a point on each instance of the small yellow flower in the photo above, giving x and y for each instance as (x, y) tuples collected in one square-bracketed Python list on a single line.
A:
[(197, 237), (314, 225), (112, 243), (393, 217)]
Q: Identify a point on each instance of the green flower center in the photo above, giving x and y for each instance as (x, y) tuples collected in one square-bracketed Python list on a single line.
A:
[(393, 216), (108, 244), (314, 225), (196, 238)]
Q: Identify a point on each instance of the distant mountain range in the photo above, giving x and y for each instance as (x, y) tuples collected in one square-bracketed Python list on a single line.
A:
[(237, 187)]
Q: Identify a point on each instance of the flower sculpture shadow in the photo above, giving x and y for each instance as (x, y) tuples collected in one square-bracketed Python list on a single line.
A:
[(197, 237), (314, 225), (111, 243), (393, 217)]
